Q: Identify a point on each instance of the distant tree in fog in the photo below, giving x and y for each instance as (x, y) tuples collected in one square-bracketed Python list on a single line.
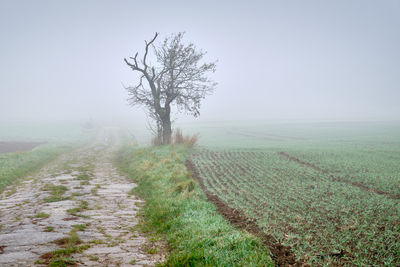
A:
[(177, 78)]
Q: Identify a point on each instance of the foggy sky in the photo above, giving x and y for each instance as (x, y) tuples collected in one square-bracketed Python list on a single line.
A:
[(277, 60)]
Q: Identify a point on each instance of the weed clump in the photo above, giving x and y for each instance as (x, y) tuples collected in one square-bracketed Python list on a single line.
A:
[(49, 229), (80, 227), (85, 177), (42, 215), (56, 192), (84, 205), (185, 186), (68, 246)]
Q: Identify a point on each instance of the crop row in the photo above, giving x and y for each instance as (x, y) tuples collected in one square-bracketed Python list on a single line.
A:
[(376, 168), (322, 220)]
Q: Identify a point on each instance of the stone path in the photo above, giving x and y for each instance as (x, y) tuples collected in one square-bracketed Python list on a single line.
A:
[(79, 211)]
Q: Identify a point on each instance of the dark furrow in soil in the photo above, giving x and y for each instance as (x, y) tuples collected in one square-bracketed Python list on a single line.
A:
[(282, 255), (338, 179)]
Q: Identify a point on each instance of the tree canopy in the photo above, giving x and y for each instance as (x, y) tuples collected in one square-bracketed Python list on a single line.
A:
[(178, 77)]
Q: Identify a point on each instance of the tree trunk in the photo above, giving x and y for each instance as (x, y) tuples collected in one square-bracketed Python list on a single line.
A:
[(167, 132), (166, 126)]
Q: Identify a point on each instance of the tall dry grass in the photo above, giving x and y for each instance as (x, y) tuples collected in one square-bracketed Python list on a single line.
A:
[(177, 138), (156, 141)]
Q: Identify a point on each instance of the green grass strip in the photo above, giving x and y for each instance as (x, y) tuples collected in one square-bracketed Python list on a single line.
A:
[(17, 165), (177, 209)]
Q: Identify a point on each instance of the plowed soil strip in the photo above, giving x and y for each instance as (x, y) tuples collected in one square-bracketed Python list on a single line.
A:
[(282, 255), (10, 147), (338, 179)]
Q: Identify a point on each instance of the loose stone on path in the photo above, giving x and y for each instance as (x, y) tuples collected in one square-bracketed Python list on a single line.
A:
[(96, 205)]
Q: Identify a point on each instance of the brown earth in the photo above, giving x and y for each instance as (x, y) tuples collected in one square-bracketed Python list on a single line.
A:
[(10, 147), (282, 255)]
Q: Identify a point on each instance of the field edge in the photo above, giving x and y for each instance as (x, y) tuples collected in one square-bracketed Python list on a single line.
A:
[(177, 210)]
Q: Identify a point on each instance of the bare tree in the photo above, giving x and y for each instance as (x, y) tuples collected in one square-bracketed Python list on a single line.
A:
[(178, 78)]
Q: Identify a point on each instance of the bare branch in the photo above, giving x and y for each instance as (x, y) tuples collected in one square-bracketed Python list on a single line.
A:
[(147, 50), (178, 78)]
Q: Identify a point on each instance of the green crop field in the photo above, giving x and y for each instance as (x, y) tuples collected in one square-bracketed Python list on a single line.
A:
[(330, 192)]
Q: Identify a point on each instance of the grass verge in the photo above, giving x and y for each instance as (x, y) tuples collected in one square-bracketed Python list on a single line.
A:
[(17, 165), (178, 210)]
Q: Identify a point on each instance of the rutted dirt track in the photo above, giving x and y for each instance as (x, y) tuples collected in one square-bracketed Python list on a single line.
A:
[(82, 193)]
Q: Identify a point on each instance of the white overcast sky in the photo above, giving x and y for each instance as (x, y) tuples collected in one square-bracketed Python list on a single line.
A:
[(277, 60)]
